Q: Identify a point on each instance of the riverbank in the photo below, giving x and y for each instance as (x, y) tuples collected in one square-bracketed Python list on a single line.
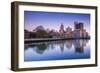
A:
[(51, 39)]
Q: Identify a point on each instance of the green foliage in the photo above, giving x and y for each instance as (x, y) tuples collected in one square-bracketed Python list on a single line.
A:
[(41, 34), (41, 48)]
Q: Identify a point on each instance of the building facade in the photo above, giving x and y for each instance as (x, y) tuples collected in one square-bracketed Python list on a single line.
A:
[(61, 31), (79, 31), (68, 32)]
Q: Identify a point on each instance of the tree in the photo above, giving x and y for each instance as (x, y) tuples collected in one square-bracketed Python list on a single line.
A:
[(41, 34), (33, 35)]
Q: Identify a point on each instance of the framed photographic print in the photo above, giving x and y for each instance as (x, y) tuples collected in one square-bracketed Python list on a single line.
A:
[(52, 36)]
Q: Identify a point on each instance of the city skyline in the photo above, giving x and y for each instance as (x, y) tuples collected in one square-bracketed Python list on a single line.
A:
[(53, 20)]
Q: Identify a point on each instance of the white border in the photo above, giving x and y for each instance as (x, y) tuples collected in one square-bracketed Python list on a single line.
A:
[(23, 64)]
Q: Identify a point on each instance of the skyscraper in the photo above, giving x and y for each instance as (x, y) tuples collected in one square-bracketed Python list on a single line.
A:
[(78, 25), (61, 31), (68, 32), (79, 30)]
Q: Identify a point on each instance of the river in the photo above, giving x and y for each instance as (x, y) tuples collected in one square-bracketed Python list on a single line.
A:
[(57, 50)]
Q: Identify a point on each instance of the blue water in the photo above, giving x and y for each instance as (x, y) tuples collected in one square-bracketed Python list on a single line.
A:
[(57, 50)]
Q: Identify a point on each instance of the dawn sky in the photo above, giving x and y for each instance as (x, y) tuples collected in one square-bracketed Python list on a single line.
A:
[(53, 20)]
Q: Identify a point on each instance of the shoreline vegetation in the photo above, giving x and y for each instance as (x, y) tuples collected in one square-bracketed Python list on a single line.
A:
[(53, 39)]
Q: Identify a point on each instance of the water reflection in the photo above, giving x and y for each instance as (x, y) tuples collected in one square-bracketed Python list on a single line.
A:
[(79, 45), (69, 44), (57, 50)]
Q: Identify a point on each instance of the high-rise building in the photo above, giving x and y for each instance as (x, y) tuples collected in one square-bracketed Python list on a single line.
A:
[(68, 29), (68, 32), (79, 46), (78, 25), (81, 25), (79, 31), (68, 44), (61, 31), (76, 33)]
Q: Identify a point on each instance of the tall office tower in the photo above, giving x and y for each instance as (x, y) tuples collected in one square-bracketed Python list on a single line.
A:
[(78, 30), (61, 31), (78, 25)]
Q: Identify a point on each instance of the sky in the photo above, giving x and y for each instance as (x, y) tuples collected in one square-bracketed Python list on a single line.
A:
[(53, 20)]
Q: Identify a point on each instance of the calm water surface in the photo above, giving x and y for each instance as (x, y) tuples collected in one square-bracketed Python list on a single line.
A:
[(57, 50)]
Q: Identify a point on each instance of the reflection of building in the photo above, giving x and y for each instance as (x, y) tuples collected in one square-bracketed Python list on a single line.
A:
[(79, 49), (79, 45), (62, 46), (68, 43)]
